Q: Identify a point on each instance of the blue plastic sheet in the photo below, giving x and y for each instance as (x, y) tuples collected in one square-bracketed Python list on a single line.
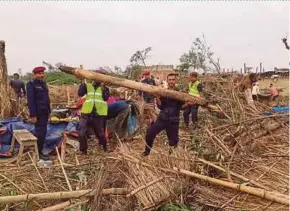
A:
[(278, 109), (53, 137)]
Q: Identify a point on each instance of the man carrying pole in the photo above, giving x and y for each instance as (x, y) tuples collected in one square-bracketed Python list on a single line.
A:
[(168, 118), (93, 113)]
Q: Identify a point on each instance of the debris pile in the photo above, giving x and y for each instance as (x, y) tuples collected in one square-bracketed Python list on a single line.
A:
[(236, 158)]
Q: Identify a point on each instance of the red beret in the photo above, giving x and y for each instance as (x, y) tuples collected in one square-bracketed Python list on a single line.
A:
[(38, 69), (146, 73)]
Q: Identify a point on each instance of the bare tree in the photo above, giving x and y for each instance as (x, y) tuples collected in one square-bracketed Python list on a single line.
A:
[(140, 57), (284, 40), (199, 56)]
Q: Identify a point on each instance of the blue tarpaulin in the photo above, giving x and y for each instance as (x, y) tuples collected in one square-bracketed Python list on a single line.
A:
[(53, 137), (56, 130)]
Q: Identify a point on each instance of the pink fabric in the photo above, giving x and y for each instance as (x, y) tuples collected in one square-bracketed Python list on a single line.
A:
[(112, 100), (274, 91)]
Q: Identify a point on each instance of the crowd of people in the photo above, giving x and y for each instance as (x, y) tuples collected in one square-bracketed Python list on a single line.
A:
[(95, 97), (274, 93)]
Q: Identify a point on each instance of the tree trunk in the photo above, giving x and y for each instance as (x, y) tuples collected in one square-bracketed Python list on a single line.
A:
[(5, 99), (154, 90)]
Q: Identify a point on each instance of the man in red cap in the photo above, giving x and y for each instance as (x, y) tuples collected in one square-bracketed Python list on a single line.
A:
[(148, 80), (39, 107)]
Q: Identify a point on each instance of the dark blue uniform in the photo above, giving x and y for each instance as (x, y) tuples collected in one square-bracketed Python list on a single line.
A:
[(147, 97), (39, 107), (168, 120)]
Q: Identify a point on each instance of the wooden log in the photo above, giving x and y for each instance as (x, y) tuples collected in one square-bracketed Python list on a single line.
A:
[(60, 195), (155, 90)]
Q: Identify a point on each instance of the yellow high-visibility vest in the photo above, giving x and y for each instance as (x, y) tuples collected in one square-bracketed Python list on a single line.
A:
[(94, 98)]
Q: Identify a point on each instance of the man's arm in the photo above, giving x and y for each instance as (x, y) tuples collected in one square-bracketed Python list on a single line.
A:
[(200, 89), (82, 90), (159, 102), (184, 106), (105, 93), (31, 99), (23, 88)]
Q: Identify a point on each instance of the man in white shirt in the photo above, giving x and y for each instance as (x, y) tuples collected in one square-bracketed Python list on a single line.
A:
[(255, 91)]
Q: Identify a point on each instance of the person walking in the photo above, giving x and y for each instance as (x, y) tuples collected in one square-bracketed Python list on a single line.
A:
[(255, 91)]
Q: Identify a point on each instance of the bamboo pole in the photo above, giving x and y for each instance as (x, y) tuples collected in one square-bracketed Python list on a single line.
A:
[(135, 85), (63, 171), (60, 195), (272, 196), (56, 207), (137, 190)]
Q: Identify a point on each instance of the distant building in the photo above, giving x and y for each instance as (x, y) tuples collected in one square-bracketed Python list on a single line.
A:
[(281, 70), (160, 71)]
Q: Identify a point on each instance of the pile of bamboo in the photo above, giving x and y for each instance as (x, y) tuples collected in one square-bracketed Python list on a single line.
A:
[(235, 161), (63, 95)]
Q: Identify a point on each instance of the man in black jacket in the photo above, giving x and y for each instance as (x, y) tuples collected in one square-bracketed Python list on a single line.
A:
[(168, 118)]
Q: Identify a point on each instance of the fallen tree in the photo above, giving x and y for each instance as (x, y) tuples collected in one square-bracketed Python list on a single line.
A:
[(154, 90)]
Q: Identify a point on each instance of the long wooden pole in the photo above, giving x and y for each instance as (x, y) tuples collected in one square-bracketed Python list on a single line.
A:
[(272, 196), (135, 85), (60, 195)]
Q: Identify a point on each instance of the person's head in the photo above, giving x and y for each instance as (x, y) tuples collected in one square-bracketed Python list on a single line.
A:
[(193, 77), (101, 72), (171, 80), (157, 78), (15, 76), (147, 75), (38, 73), (271, 85)]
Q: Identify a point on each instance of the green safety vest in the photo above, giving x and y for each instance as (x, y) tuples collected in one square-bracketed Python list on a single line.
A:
[(94, 98), (193, 89)]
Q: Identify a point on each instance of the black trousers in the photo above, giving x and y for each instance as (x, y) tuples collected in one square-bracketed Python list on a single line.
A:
[(171, 129), (41, 130), (97, 124), (193, 110), (255, 97)]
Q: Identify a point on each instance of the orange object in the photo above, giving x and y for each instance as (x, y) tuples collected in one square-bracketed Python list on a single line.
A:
[(107, 134)]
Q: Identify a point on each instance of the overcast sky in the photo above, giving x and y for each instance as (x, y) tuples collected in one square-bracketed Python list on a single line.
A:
[(108, 33)]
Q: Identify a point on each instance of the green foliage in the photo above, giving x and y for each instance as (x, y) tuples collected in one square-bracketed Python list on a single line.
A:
[(198, 56), (56, 77), (133, 72), (59, 78), (176, 207)]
